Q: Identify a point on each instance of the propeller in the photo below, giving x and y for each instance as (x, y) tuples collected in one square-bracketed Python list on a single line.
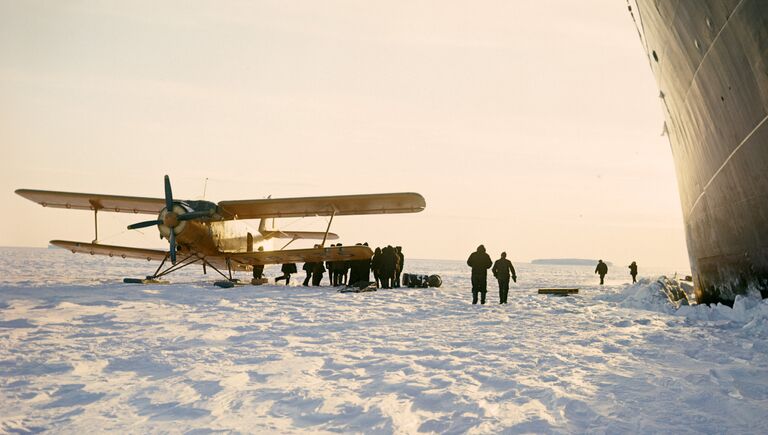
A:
[(168, 194), (144, 224), (172, 216), (172, 242)]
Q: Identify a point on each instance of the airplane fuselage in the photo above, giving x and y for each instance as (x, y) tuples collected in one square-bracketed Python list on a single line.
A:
[(213, 238)]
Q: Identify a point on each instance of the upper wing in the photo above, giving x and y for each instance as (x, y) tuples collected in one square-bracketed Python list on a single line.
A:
[(110, 250), (333, 253), (94, 201), (378, 203)]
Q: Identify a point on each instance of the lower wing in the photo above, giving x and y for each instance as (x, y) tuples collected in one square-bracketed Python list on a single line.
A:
[(138, 253), (110, 250), (240, 260)]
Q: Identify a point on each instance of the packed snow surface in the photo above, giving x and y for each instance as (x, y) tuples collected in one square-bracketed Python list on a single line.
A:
[(80, 352)]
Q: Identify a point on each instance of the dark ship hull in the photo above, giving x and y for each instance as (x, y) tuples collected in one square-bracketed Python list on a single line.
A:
[(710, 59)]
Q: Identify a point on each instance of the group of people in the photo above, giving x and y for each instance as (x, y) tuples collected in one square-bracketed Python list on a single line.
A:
[(602, 270), (503, 270), (386, 266)]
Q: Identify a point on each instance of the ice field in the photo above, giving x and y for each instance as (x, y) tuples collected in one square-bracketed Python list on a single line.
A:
[(81, 352)]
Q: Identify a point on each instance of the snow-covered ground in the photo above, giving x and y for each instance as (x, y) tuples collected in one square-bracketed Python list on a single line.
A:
[(81, 352)]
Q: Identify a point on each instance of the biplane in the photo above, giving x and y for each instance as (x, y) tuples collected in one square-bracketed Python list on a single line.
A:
[(206, 233)]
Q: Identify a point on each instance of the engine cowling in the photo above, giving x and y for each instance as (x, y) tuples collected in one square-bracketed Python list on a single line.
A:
[(170, 220), (177, 218)]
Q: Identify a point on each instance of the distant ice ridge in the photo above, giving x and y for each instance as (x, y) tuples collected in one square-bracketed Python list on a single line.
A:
[(659, 294)]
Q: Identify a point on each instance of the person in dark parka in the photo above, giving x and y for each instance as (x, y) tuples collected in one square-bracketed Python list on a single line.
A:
[(633, 271), (365, 268), (400, 264), (317, 273), (354, 270), (287, 269), (329, 268), (339, 268), (387, 266), (258, 271), (480, 262), (376, 265), (345, 273), (502, 269), (308, 267), (602, 270)]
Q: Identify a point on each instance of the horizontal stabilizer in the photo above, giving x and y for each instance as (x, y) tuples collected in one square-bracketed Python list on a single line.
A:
[(333, 253), (297, 235)]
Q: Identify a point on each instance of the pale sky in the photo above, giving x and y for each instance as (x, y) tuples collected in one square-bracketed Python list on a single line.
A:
[(529, 126)]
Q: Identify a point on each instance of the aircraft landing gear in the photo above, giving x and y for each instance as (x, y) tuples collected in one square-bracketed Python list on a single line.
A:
[(191, 259), (148, 280)]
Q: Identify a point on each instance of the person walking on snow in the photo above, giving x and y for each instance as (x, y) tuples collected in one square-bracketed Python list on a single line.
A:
[(502, 269), (308, 267), (633, 271), (480, 262), (602, 270), (287, 269)]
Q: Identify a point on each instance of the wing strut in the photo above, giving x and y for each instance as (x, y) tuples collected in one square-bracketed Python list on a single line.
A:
[(189, 260), (95, 206), (161, 265), (292, 240), (328, 228)]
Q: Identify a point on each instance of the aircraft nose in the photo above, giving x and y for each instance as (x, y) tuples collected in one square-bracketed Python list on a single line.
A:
[(170, 219)]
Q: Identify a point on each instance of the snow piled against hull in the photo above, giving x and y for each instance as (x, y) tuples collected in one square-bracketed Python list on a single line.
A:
[(81, 356), (658, 294), (750, 313), (654, 294)]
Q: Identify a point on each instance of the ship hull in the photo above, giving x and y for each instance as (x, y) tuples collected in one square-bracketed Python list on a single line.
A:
[(710, 59)]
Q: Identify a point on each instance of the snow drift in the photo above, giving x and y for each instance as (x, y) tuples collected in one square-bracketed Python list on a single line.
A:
[(78, 355)]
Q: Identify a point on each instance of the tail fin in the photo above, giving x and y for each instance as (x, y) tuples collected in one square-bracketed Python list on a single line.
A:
[(263, 226)]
